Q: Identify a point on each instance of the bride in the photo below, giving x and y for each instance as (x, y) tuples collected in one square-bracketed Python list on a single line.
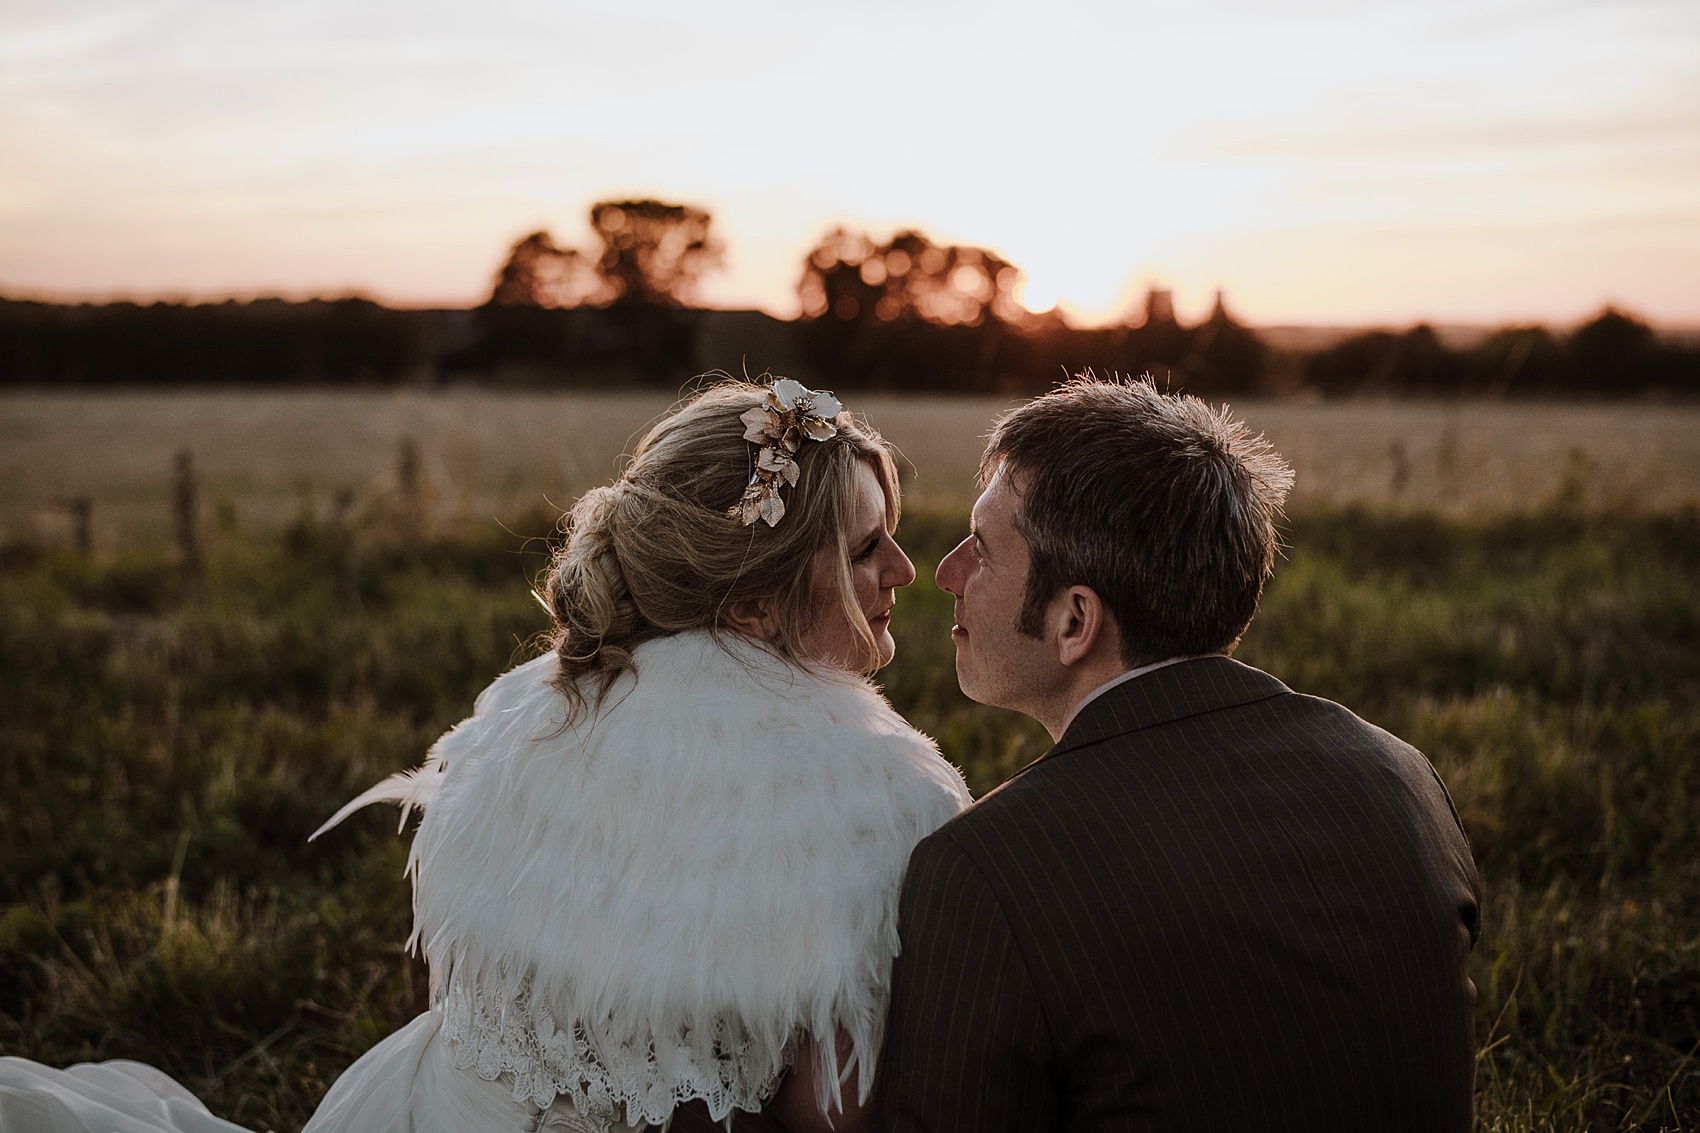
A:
[(658, 867)]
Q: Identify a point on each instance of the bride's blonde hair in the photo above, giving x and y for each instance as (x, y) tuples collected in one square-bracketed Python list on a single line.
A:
[(655, 553)]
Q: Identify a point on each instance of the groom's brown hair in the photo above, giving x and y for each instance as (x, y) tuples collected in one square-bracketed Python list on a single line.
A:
[(1163, 506)]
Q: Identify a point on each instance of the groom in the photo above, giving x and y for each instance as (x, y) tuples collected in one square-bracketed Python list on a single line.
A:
[(1215, 904)]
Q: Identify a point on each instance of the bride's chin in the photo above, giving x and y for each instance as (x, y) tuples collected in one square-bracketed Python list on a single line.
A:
[(887, 649), (862, 656)]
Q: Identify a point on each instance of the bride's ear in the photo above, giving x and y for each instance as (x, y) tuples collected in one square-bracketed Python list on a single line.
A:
[(752, 617)]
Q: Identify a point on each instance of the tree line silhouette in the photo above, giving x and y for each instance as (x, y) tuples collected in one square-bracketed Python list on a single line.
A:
[(910, 313)]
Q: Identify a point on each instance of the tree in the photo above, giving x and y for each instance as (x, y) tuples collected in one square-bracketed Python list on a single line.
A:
[(849, 278), (540, 273), (1413, 361), (1513, 360), (1222, 355), (653, 253), (1611, 354)]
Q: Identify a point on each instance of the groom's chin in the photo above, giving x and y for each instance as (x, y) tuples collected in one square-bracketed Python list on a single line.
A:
[(963, 680)]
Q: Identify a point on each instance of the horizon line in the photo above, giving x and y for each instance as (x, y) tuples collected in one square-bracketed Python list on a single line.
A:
[(1070, 317)]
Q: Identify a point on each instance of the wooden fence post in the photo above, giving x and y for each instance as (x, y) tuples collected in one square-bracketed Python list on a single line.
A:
[(81, 509), (185, 493), (410, 483)]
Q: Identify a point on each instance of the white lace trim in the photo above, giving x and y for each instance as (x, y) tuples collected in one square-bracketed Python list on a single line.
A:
[(602, 1074)]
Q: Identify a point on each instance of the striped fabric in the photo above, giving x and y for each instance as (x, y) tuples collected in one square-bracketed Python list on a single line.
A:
[(1214, 905)]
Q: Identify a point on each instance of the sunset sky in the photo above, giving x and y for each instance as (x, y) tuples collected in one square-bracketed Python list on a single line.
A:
[(1322, 162)]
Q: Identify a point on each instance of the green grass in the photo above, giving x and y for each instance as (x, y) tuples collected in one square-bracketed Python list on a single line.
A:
[(168, 739)]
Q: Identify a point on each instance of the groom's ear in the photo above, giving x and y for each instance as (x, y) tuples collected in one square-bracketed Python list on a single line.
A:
[(1081, 628)]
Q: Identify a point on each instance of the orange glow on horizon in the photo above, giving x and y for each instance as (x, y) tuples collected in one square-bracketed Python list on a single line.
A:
[(1380, 163)]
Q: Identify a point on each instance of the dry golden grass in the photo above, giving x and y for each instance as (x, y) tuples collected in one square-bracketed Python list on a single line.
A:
[(266, 457)]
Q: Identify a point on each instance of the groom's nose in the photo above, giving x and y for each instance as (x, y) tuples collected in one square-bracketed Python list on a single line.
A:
[(950, 573)]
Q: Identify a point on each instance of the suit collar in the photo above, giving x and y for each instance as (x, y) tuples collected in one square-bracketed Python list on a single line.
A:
[(1174, 692)]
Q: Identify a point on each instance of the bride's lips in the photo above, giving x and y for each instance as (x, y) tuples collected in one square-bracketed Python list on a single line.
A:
[(881, 620)]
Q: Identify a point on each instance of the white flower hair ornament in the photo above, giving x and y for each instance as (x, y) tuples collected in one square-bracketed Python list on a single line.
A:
[(791, 414)]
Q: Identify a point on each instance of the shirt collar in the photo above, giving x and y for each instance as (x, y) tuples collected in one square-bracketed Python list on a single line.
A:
[(1119, 680)]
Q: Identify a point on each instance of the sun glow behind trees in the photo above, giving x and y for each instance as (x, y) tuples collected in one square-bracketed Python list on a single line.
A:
[(1466, 160)]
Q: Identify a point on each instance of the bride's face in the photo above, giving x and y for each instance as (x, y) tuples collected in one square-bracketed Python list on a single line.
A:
[(878, 567)]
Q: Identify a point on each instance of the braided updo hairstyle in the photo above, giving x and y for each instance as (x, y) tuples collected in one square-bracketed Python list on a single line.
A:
[(655, 553)]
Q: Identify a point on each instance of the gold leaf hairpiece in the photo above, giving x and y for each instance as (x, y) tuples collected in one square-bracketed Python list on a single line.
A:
[(789, 415)]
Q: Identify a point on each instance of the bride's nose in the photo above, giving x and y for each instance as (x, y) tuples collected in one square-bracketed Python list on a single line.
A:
[(899, 571)]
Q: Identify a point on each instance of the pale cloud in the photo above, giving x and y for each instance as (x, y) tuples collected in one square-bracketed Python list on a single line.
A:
[(198, 146)]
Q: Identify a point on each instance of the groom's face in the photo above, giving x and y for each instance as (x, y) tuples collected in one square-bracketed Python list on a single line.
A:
[(987, 572)]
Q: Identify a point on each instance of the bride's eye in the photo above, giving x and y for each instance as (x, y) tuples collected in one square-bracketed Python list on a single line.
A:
[(867, 552)]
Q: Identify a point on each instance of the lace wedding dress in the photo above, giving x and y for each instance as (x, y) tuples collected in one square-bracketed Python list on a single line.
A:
[(655, 905)]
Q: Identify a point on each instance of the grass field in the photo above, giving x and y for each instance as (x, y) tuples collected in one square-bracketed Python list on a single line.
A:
[(170, 738), (1523, 603), (263, 458)]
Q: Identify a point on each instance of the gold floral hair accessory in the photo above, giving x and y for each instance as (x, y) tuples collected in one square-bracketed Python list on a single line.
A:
[(791, 414)]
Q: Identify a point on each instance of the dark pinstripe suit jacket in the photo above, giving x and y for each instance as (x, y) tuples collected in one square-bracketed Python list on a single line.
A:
[(1214, 905)]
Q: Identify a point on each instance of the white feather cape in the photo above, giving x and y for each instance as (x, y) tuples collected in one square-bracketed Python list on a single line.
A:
[(654, 904)]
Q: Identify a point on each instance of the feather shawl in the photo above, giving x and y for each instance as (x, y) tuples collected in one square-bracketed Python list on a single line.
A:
[(655, 903)]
